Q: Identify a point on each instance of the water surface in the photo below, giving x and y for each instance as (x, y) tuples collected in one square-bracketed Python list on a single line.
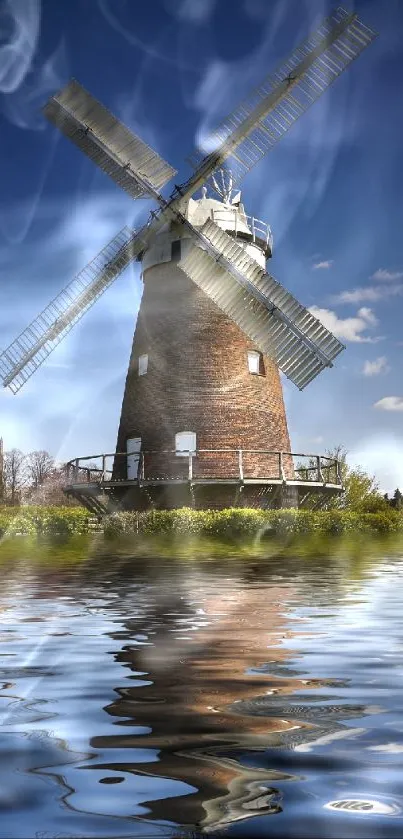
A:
[(246, 697)]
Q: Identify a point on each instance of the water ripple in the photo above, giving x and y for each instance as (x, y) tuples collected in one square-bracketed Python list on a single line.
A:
[(148, 698)]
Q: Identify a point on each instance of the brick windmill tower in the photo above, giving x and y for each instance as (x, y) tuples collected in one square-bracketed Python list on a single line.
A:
[(196, 381), (203, 417)]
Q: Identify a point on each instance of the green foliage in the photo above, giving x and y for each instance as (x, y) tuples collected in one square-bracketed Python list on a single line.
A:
[(57, 521), (361, 491), (236, 523), (232, 524), (397, 500)]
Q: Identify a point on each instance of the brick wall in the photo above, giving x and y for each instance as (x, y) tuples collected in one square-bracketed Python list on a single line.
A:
[(198, 379)]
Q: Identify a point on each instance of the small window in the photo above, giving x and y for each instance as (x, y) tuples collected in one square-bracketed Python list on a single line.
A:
[(255, 363), (185, 442), (176, 250), (143, 364)]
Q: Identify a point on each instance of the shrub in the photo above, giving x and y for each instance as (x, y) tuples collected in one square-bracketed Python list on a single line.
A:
[(230, 524), (237, 523), (384, 522), (58, 521)]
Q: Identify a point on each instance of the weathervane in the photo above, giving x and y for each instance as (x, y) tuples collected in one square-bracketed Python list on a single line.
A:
[(223, 181)]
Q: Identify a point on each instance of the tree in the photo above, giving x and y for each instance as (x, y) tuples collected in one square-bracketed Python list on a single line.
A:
[(50, 491), (40, 465), (361, 491), (14, 475), (397, 500)]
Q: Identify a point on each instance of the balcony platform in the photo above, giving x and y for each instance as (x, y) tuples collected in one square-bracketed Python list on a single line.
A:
[(288, 483)]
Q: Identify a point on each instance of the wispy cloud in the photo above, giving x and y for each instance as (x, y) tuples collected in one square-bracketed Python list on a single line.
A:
[(111, 11), (327, 263), (369, 294), (384, 275), (193, 11), (390, 403), (348, 329), (72, 239), (374, 368), (25, 80), (20, 30)]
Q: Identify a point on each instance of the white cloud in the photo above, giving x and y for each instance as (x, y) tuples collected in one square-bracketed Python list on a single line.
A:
[(390, 403), (374, 368), (385, 275), (368, 315), (327, 263), (349, 329), (51, 410), (380, 455), (368, 295)]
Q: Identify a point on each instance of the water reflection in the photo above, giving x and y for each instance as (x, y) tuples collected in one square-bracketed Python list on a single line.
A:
[(208, 695)]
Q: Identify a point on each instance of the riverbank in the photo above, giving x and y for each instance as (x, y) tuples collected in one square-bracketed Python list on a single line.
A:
[(230, 524)]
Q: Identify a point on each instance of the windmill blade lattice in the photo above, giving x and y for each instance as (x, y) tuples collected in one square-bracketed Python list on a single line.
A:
[(260, 121), (265, 311), (280, 326), (27, 352), (103, 138)]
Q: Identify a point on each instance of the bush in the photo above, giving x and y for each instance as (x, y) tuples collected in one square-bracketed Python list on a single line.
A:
[(230, 524), (237, 523), (56, 521), (384, 522)]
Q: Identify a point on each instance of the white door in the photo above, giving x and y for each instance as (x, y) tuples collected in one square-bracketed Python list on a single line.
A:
[(133, 448)]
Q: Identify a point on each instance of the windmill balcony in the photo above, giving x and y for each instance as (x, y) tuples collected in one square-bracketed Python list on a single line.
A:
[(203, 478), (245, 227)]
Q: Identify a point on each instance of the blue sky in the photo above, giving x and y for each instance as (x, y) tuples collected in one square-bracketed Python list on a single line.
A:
[(331, 191)]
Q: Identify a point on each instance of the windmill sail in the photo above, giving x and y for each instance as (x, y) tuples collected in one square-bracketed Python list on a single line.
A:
[(116, 150), (27, 352), (260, 121), (280, 326)]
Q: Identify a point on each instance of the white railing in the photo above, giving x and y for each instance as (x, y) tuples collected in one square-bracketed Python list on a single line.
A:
[(237, 222), (207, 464)]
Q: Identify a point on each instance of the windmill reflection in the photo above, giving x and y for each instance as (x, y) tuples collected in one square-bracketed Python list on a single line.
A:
[(212, 683)]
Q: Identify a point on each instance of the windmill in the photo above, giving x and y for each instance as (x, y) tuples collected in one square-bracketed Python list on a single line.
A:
[(203, 400)]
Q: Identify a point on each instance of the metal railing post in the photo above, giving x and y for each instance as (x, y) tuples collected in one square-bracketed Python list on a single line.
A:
[(75, 473), (190, 466), (103, 467), (240, 462), (253, 229)]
